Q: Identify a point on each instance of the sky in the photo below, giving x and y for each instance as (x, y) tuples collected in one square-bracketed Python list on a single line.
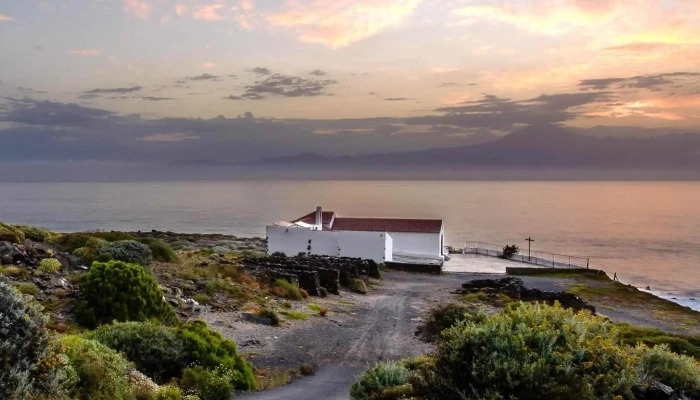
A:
[(343, 76)]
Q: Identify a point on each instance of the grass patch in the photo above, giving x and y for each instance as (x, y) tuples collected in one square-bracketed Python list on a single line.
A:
[(288, 290), (562, 273), (615, 295), (346, 302), (28, 288), (682, 344), (314, 306), (498, 299), (202, 298), (267, 313), (272, 378), (14, 271), (294, 314)]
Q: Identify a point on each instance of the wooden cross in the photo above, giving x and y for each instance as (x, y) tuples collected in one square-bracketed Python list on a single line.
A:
[(529, 241)]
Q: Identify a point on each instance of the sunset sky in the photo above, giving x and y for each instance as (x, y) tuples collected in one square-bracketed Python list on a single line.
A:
[(462, 64)]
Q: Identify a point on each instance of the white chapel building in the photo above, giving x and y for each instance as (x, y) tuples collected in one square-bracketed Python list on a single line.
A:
[(379, 239)]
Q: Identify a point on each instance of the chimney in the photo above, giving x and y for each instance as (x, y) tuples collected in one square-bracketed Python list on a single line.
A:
[(319, 217)]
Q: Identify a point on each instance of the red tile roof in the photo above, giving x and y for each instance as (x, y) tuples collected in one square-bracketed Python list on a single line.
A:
[(310, 218), (387, 225)]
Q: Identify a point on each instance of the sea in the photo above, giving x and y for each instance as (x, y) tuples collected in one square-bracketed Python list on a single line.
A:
[(646, 233)]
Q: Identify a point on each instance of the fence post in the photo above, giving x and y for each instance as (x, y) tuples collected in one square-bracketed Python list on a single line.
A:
[(569, 261)]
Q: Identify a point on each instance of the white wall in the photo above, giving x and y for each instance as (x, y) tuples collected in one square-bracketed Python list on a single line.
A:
[(422, 244), (389, 248), (367, 245), (291, 241)]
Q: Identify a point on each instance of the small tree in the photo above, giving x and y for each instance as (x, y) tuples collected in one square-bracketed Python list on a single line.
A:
[(509, 251), (120, 291)]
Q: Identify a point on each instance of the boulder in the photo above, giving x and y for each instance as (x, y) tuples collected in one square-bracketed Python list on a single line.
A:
[(256, 319)]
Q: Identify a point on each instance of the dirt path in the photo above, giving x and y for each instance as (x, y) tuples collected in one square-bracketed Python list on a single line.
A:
[(377, 327)]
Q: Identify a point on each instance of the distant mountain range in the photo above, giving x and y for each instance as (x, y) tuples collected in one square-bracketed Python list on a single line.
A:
[(536, 146)]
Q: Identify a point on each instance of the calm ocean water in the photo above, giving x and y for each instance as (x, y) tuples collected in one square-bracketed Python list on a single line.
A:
[(646, 232)]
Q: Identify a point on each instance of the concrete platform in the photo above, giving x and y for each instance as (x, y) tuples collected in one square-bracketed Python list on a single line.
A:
[(475, 263)]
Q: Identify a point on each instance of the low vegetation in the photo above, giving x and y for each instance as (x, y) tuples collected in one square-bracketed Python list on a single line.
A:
[(50, 265), (358, 286), (286, 289), (530, 351), (119, 291), (509, 251)]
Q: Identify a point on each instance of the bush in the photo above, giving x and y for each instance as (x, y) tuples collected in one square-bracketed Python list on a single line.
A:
[(71, 241), (323, 311), (509, 251), (288, 290), (374, 381), (113, 236), (128, 251), (306, 369), (221, 250), (102, 372), (267, 313), (28, 288), (33, 365), (120, 291), (681, 344), (35, 233), (50, 265), (11, 234), (323, 292), (680, 372), (358, 286), (202, 298), (532, 351), (160, 250), (209, 349), (87, 254), (446, 316), (155, 350), (208, 384), (304, 293), (279, 254)]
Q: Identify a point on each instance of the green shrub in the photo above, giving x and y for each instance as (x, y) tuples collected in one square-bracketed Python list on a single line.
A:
[(446, 316), (50, 265), (294, 314), (267, 313), (202, 298), (32, 366), (289, 290), (373, 381), (28, 288), (160, 250), (181, 245), (278, 254), (87, 254), (532, 351), (220, 250), (128, 251), (680, 372), (102, 372), (155, 350), (358, 286), (209, 349), (210, 384), (681, 344), (323, 292), (120, 291), (509, 251), (10, 233), (35, 233), (71, 241), (113, 236)]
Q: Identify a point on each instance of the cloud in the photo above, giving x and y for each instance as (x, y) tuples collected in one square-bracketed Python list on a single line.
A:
[(153, 98), (548, 18), (136, 8), (30, 91), (203, 77), (208, 13), (116, 90), (261, 71), (4, 17), (208, 65), (651, 82), (398, 98), (169, 137), (455, 84), (638, 47), (340, 23), (232, 97), (317, 72), (443, 69), (88, 96), (180, 9), (49, 113), (287, 86), (164, 20), (247, 5), (84, 52)]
